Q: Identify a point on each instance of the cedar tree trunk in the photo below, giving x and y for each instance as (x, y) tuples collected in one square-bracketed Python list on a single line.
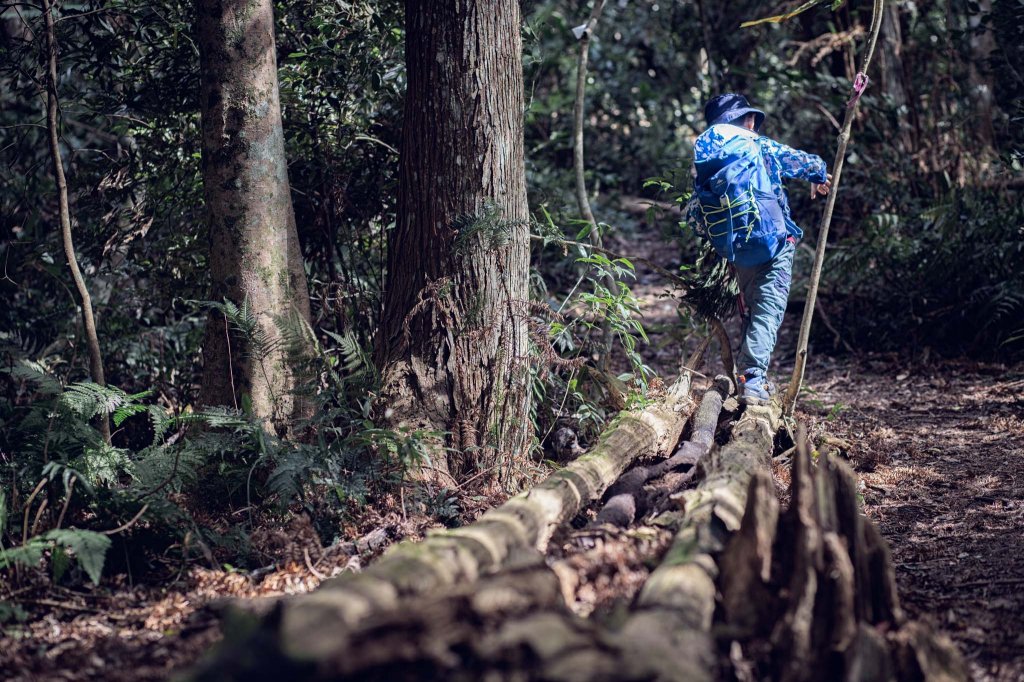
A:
[(453, 338), (254, 251)]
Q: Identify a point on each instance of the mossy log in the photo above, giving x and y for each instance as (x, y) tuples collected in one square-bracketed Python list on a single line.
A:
[(512, 624), (804, 594), (625, 498), (513, 532), (679, 595)]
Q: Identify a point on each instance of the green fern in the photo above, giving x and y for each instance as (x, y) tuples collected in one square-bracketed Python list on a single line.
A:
[(88, 548), (353, 358), (259, 342), (89, 400), (34, 374)]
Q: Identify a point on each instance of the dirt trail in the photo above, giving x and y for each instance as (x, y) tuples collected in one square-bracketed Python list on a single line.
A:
[(940, 453)]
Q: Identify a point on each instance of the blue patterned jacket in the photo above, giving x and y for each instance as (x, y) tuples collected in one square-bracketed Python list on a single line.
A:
[(780, 160)]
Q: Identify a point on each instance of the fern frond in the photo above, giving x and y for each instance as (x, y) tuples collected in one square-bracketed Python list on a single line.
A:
[(88, 400), (103, 465), (35, 374), (172, 466)]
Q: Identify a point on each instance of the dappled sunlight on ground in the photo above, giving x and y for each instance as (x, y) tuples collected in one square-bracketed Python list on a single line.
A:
[(940, 454)]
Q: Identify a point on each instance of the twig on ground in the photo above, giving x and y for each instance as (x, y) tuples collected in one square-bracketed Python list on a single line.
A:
[(309, 564), (74, 607)]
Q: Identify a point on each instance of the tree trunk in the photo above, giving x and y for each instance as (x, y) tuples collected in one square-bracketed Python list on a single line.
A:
[(893, 79), (255, 258), (453, 339), (64, 211), (982, 45)]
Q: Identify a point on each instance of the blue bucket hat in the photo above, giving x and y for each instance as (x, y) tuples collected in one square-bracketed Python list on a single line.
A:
[(728, 107)]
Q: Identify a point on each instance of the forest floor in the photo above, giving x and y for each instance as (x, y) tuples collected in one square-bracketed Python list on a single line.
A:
[(938, 449), (939, 452)]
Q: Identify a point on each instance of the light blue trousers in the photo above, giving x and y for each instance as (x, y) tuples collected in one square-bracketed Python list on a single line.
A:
[(765, 291)]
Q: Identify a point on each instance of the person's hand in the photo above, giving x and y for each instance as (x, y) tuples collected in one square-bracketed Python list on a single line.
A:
[(822, 189)]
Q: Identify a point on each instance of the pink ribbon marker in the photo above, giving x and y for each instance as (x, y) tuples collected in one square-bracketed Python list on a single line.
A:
[(860, 84)]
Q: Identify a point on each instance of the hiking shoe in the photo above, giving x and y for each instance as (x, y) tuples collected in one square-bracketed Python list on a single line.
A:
[(755, 390)]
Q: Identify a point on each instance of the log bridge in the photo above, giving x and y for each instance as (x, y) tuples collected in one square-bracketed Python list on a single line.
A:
[(743, 590)]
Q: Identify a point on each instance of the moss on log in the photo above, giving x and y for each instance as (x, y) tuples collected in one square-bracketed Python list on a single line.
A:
[(805, 594), (511, 533)]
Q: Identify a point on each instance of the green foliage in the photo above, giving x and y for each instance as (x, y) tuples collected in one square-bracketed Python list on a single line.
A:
[(488, 226), (88, 548), (953, 274), (568, 387), (924, 219)]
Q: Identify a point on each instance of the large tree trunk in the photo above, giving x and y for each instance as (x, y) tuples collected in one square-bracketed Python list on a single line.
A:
[(254, 254), (893, 78), (453, 339)]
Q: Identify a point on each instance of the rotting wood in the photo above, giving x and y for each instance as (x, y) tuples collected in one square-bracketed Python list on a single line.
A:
[(624, 499), (810, 594), (792, 603), (680, 593), (510, 533), (458, 636)]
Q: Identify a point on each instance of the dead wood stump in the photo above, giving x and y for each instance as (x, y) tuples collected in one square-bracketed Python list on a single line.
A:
[(811, 594)]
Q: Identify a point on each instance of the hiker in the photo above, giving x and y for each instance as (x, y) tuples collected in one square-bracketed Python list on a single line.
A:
[(739, 204)]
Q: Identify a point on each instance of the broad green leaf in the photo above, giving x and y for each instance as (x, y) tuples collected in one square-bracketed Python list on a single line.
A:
[(28, 554), (90, 548), (60, 561)]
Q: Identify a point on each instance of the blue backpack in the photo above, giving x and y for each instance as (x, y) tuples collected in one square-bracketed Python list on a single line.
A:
[(743, 218)]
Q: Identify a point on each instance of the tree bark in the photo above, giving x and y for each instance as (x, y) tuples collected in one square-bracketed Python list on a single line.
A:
[(255, 257), (453, 341), (892, 76), (980, 73)]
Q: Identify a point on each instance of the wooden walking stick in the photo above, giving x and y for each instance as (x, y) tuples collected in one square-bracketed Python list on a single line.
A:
[(859, 84)]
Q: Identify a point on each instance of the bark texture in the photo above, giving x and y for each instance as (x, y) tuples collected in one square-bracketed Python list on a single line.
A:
[(454, 336), (254, 251), (810, 594), (893, 76)]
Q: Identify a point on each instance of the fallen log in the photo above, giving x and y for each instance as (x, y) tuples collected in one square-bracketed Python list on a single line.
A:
[(510, 533), (806, 594), (624, 499), (680, 594), (513, 622)]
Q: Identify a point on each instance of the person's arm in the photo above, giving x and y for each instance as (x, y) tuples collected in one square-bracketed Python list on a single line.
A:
[(800, 165)]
